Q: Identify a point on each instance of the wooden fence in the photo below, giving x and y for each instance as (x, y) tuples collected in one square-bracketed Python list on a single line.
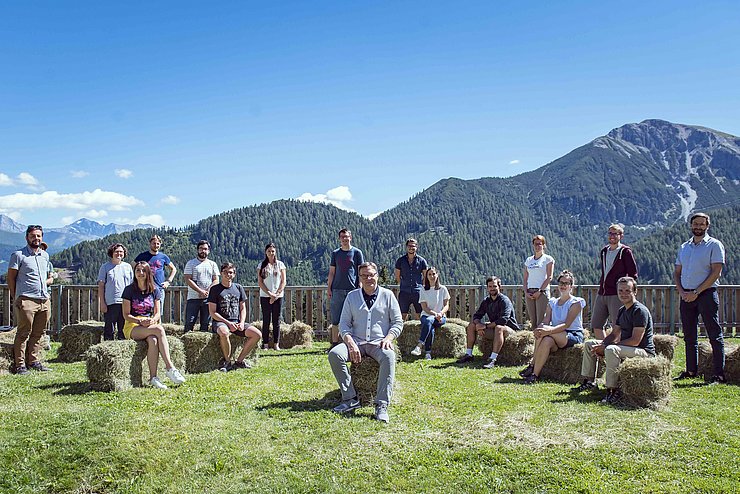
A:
[(74, 303)]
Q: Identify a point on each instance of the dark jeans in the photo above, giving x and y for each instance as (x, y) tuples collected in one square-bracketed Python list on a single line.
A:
[(271, 311), (428, 325), (706, 305), (113, 318), (193, 309)]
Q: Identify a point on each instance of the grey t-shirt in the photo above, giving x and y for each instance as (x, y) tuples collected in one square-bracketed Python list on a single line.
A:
[(116, 277), (637, 316), (202, 273), (611, 256), (33, 270)]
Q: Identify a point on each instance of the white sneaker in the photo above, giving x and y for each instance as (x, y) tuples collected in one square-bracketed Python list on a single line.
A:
[(175, 376), (417, 350), (46, 342), (156, 383)]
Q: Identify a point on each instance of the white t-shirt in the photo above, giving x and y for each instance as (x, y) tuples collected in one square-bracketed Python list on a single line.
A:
[(537, 270), (202, 273), (273, 279), (560, 313), (435, 299)]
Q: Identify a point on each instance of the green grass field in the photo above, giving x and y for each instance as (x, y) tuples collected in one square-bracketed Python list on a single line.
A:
[(270, 429)]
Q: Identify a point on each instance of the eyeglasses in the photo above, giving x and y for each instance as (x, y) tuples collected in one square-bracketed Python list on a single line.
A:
[(614, 234), (564, 283), (368, 276)]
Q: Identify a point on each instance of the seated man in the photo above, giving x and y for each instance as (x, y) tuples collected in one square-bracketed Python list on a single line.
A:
[(371, 320), (227, 306), (631, 336), (500, 312)]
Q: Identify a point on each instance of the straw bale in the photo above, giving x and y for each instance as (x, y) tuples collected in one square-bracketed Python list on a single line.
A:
[(458, 321), (5, 365), (449, 339), (732, 366), (121, 364), (296, 335), (203, 351), (564, 365), (174, 329), (7, 361), (517, 349), (706, 368), (645, 382), (365, 377), (665, 345), (78, 338)]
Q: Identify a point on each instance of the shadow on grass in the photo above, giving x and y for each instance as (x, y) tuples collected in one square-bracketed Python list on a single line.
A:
[(289, 352), (69, 388), (581, 397), (327, 402), (510, 380), (473, 364), (690, 384)]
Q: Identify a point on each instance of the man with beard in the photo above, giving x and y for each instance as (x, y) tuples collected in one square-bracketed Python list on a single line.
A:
[(698, 268), (29, 274), (158, 261), (200, 273), (617, 262), (410, 272), (499, 310)]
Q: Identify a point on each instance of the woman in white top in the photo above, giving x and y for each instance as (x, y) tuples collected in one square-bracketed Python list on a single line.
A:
[(271, 279), (538, 270), (562, 327), (435, 302)]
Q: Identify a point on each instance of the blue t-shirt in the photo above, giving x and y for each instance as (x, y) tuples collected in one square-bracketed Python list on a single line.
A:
[(345, 264), (411, 272), (157, 262)]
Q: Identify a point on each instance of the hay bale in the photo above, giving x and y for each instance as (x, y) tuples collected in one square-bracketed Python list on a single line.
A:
[(732, 366), (518, 348), (665, 345), (645, 382), (458, 321), (7, 360), (121, 364), (565, 365), (78, 338), (296, 335), (171, 329), (203, 351), (706, 368), (365, 378), (449, 339)]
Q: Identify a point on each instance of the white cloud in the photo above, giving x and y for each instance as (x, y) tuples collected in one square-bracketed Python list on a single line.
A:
[(124, 173), (170, 200), (5, 180), (66, 220), (152, 219), (25, 178), (94, 214), (514, 162), (77, 201), (336, 197), (372, 216), (79, 173), (14, 215)]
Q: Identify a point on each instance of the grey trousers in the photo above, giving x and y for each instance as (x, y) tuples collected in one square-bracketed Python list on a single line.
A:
[(339, 357)]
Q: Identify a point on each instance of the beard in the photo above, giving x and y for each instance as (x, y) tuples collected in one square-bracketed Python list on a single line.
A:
[(202, 255), (698, 232)]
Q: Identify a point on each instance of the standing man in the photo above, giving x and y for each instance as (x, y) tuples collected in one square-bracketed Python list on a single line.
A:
[(200, 273), (631, 336), (370, 321), (158, 261), (343, 269), (617, 262), (698, 268), (227, 303), (500, 312), (29, 274), (410, 272)]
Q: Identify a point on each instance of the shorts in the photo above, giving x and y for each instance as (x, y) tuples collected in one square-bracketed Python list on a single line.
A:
[(215, 325), (574, 339), (337, 302), (407, 299), (127, 328)]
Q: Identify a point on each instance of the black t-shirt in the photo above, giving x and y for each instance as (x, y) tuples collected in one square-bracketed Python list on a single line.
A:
[(142, 305), (227, 300), (637, 316)]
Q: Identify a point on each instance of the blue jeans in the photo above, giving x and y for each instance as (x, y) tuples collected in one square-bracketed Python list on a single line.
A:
[(197, 308), (113, 320), (706, 305), (428, 325), (337, 302)]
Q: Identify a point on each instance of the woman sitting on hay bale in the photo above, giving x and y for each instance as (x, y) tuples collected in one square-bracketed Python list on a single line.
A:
[(141, 311), (562, 327), (435, 302)]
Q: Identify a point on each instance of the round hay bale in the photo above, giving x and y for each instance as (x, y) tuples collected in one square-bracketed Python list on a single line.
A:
[(665, 345), (565, 365), (78, 338), (706, 368), (645, 382), (203, 351), (173, 329), (365, 378), (449, 339), (296, 335)]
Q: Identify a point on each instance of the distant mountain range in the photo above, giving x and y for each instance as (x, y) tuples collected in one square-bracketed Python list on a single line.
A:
[(649, 176)]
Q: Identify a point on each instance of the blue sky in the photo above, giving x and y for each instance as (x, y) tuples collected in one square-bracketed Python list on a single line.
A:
[(168, 112)]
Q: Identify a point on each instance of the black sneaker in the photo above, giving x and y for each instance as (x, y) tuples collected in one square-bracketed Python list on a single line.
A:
[(22, 370), (224, 365), (684, 375), (585, 386), (240, 365), (39, 367), (527, 371), (464, 359), (531, 379), (720, 379)]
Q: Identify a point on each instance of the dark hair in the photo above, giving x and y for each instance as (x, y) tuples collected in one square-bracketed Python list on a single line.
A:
[(540, 238), (266, 261), (629, 280), (149, 282), (203, 242), (699, 215), (345, 230), (410, 240), (114, 247), (227, 265), (44, 245), (426, 279), (31, 228), (568, 274), (494, 279), (155, 237), (367, 264)]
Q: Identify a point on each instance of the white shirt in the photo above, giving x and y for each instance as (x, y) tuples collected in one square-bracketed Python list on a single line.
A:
[(537, 270), (273, 279), (435, 299)]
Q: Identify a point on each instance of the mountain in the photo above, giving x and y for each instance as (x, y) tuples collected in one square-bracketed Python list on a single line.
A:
[(648, 176)]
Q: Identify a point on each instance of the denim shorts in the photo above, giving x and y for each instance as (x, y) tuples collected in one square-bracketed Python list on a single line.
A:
[(574, 338)]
